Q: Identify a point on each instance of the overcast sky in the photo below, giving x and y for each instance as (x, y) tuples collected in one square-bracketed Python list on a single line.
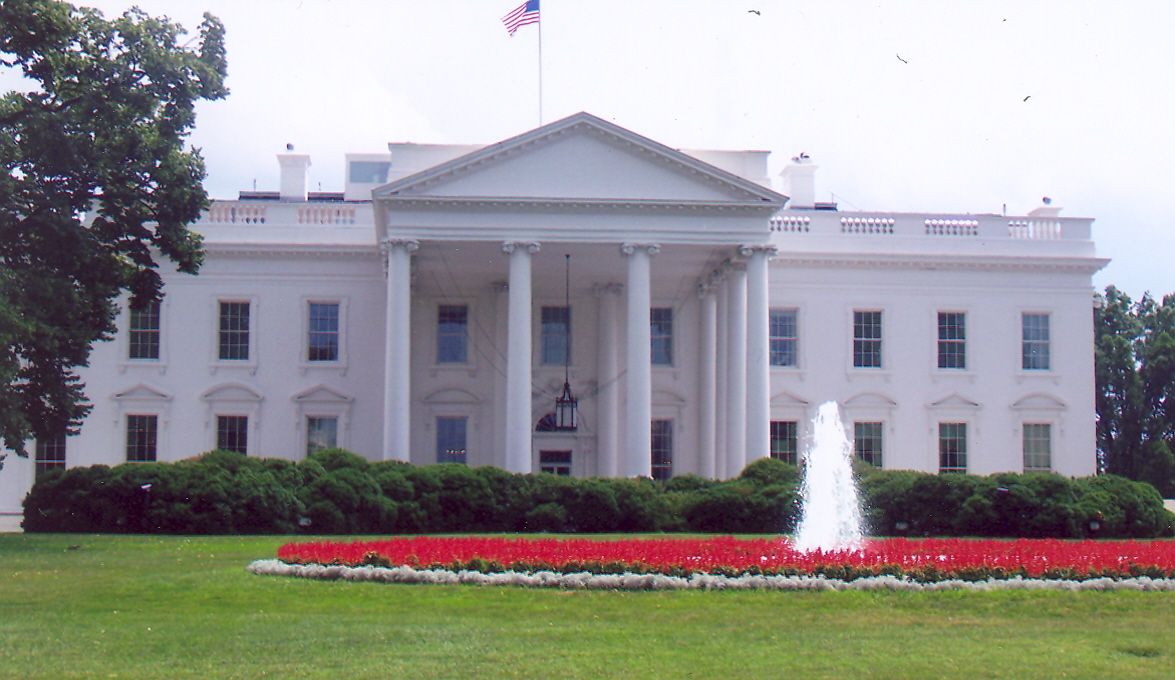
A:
[(905, 106)]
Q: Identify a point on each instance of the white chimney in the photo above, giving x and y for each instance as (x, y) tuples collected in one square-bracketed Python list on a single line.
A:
[(295, 167), (799, 182)]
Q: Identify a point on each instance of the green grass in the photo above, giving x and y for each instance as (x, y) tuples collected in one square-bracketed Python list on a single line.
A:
[(186, 607)]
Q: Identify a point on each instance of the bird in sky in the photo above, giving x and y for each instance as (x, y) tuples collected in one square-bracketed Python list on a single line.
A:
[(1028, 97), (755, 12), (901, 60)]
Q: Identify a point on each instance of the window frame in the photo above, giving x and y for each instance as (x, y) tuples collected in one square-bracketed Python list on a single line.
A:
[(952, 343), (561, 468), (240, 426), (49, 454), (662, 470), (249, 363), (464, 451), (335, 418), (944, 439), (876, 457), (155, 334), (544, 358), (782, 340), (340, 360), (1025, 353), (777, 427), (152, 454), (467, 347), (666, 338), (855, 349), (1048, 445)]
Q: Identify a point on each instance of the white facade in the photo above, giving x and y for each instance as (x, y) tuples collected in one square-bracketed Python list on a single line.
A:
[(428, 296)]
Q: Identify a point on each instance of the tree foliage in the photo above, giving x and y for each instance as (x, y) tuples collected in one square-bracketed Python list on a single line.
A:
[(96, 183), (1135, 373)]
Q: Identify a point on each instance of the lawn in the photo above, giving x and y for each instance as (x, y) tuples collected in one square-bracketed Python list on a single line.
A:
[(119, 606)]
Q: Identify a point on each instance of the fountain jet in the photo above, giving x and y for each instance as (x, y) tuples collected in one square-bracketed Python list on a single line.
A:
[(830, 517)]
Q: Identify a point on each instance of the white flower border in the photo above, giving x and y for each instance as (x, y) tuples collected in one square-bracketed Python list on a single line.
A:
[(587, 581)]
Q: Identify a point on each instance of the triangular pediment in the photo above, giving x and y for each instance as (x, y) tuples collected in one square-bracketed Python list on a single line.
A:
[(581, 158), (787, 399), (954, 401), (320, 394), (231, 392), (871, 400), (142, 392)]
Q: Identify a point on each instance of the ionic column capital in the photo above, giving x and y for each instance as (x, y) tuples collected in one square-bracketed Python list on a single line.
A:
[(750, 249), (531, 247), (630, 248), (390, 243)]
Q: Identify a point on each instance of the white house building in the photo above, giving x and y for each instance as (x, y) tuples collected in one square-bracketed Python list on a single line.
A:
[(420, 315)]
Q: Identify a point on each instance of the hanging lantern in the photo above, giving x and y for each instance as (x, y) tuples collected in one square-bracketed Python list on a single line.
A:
[(567, 405)]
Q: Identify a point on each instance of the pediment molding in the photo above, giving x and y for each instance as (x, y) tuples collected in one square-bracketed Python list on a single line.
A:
[(1039, 401), (321, 394), (954, 402), (143, 392), (785, 399), (231, 392), (733, 189), (452, 395), (873, 400)]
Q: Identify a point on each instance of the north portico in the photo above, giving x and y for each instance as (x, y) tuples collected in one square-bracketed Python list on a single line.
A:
[(660, 242)]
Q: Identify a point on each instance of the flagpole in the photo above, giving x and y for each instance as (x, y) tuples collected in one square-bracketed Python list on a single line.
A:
[(540, 70)]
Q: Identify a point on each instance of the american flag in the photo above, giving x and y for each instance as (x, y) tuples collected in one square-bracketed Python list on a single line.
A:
[(526, 13)]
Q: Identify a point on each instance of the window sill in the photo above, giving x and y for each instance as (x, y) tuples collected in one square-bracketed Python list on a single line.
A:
[(250, 366), (1023, 376), (137, 364), (442, 369), (876, 374), (307, 366), (949, 374)]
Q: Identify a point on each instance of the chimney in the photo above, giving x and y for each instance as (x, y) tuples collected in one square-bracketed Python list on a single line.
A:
[(295, 167), (799, 182)]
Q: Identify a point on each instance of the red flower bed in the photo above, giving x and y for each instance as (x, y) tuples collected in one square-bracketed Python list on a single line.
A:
[(929, 559)]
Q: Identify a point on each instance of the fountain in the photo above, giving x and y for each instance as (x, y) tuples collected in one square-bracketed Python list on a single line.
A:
[(830, 515)]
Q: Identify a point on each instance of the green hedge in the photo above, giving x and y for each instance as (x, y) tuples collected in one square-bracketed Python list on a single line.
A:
[(338, 492)]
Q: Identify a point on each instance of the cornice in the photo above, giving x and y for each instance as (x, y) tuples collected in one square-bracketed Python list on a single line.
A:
[(594, 204), (1083, 265)]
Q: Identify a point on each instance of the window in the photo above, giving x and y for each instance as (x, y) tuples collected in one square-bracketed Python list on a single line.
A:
[(321, 433), (451, 439), (555, 462), (1038, 447), (784, 337), (234, 331), (661, 335), (867, 442), (323, 339), (232, 433), (662, 449), (785, 441), (556, 338), (144, 332), (369, 172), (50, 454), (452, 334), (1035, 345), (952, 340), (142, 438), (952, 447), (867, 339)]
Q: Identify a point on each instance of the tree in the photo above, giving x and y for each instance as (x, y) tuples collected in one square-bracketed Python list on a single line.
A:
[(1134, 358), (97, 183)]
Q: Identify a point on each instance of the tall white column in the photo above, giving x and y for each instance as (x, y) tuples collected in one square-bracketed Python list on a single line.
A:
[(501, 339), (608, 391), (722, 362), (758, 352), (708, 369), (638, 461), (736, 372), (518, 358), (397, 349)]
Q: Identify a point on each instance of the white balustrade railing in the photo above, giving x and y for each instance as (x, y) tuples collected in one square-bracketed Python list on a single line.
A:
[(911, 225), (279, 214)]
